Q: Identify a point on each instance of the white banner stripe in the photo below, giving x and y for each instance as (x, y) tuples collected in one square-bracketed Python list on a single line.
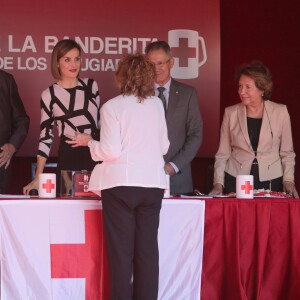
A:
[(28, 228)]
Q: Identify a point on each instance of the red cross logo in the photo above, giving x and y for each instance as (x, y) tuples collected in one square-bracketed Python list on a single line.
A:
[(84, 260), (48, 186), (184, 52), (247, 187)]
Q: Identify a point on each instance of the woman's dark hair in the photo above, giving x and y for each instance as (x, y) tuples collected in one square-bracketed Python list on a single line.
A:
[(135, 76), (59, 51), (261, 76)]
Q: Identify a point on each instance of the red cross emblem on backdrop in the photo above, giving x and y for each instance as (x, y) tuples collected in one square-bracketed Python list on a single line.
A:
[(84, 260), (183, 51), (48, 186), (247, 187)]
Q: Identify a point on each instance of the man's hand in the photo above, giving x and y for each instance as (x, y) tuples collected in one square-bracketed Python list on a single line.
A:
[(7, 151), (169, 169)]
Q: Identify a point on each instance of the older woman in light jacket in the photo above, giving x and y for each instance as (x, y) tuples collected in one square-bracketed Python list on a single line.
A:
[(256, 137)]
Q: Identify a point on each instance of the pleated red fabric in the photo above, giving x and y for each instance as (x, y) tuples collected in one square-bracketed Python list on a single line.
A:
[(251, 249)]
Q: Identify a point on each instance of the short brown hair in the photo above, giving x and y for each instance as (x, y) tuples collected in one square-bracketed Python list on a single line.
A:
[(135, 76), (261, 76), (59, 51)]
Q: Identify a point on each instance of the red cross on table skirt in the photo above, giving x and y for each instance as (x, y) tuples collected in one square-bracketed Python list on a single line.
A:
[(84, 260)]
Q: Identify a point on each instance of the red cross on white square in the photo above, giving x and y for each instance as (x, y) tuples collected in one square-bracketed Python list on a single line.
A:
[(247, 187), (48, 186)]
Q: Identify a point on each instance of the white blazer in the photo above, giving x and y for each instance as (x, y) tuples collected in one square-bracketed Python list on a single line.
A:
[(133, 140)]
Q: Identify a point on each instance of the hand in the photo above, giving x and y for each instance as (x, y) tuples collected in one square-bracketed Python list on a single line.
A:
[(33, 185), (79, 139), (217, 190), (169, 169), (289, 188), (6, 154)]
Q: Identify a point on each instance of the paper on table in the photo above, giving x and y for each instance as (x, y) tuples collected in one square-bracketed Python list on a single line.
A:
[(14, 196), (200, 196)]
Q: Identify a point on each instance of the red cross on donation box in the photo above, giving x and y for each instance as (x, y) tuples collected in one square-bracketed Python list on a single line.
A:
[(247, 187), (48, 186), (244, 186)]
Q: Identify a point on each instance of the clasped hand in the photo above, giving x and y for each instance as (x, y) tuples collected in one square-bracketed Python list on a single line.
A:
[(169, 169), (7, 151)]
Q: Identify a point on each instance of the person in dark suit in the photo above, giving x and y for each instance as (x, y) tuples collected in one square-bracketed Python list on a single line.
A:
[(14, 124), (183, 118)]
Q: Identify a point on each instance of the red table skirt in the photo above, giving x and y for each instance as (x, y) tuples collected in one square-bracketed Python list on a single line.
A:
[(251, 249)]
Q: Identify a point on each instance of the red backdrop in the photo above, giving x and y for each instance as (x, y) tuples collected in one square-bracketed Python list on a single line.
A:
[(267, 30), (107, 30)]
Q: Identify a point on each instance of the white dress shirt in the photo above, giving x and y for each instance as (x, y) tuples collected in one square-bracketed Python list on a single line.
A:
[(133, 140)]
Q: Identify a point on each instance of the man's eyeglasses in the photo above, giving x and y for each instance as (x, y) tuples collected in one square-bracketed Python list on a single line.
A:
[(162, 63)]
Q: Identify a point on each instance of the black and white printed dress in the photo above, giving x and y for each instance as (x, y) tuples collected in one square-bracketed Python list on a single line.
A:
[(74, 109)]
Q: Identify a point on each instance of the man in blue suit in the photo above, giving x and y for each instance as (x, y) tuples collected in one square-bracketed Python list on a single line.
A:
[(183, 118)]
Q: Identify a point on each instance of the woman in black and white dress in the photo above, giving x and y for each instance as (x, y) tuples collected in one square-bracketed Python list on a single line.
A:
[(73, 104)]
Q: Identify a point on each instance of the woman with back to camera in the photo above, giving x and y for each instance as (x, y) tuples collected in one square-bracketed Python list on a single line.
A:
[(73, 104), (131, 178), (256, 137)]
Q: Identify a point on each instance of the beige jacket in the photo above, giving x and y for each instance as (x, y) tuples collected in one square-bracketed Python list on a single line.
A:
[(275, 153)]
